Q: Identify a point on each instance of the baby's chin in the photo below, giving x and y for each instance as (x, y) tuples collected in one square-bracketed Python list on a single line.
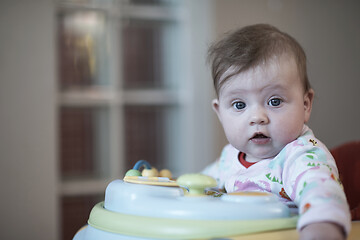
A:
[(261, 153)]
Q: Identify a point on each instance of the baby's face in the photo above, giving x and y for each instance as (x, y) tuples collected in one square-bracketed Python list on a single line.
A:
[(264, 108)]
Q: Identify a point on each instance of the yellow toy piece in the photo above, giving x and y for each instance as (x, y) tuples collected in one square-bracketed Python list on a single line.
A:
[(165, 173), (157, 181), (153, 172)]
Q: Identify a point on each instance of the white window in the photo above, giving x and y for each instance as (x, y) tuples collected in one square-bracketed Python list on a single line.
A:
[(126, 89)]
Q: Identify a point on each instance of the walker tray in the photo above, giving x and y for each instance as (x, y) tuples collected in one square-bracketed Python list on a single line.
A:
[(141, 207)]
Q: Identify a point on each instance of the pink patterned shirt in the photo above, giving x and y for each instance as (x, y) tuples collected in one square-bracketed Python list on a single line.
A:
[(304, 173)]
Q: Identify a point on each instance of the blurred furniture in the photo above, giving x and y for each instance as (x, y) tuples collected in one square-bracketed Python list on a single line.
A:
[(347, 157)]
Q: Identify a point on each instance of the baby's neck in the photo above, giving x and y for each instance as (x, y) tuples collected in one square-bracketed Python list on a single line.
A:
[(252, 159)]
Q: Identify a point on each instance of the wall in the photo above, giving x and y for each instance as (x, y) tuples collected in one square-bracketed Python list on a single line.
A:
[(199, 91), (330, 34), (28, 190)]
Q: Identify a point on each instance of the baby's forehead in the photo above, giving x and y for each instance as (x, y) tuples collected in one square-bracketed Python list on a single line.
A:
[(285, 69), (271, 65)]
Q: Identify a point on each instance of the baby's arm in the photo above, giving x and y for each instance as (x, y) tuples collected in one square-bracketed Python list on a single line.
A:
[(322, 231), (314, 187)]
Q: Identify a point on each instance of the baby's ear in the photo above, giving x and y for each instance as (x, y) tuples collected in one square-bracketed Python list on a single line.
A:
[(215, 105), (308, 101)]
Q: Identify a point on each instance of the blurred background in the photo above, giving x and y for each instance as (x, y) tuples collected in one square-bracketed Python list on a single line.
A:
[(88, 87)]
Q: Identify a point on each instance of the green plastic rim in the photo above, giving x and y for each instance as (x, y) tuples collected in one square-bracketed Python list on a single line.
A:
[(161, 228)]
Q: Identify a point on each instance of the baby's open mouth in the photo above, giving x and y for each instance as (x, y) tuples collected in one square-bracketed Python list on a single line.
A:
[(260, 138), (259, 135)]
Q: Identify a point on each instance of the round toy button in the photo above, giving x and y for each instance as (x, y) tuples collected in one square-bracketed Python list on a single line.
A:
[(196, 183), (153, 172), (133, 172), (165, 173)]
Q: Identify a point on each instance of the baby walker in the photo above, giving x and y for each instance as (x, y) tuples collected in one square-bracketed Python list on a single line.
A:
[(146, 206)]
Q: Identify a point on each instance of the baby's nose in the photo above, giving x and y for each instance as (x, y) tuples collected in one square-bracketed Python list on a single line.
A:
[(259, 116)]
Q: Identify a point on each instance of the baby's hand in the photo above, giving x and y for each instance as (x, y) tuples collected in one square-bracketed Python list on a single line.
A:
[(322, 231)]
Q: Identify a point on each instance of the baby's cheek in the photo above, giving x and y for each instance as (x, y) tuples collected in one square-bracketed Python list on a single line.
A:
[(288, 132)]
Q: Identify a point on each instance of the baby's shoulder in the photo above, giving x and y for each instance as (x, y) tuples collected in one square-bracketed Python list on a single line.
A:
[(306, 142), (228, 152), (308, 150)]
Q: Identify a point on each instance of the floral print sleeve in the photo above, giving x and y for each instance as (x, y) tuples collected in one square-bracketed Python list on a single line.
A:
[(311, 180)]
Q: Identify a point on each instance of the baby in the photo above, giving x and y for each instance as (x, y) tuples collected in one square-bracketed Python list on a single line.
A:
[(264, 100)]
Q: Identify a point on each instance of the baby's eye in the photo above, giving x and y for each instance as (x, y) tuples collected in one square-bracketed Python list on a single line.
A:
[(239, 105), (275, 102)]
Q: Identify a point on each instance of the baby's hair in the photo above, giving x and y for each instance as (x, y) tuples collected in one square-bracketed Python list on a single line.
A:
[(251, 46)]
